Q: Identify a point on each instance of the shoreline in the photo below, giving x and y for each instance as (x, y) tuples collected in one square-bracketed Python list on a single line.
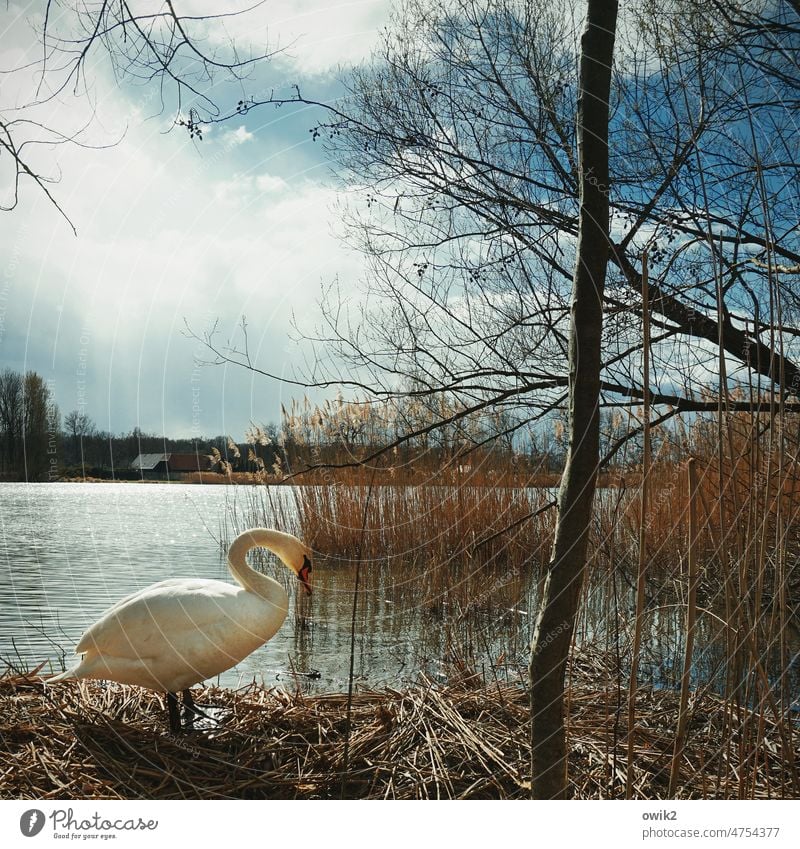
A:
[(465, 740)]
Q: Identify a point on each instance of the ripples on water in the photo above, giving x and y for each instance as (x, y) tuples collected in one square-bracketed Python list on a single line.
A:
[(69, 551)]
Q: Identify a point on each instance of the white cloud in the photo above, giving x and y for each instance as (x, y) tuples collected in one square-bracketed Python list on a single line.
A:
[(316, 35), (240, 135), (234, 192), (163, 235), (171, 229), (270, 183)]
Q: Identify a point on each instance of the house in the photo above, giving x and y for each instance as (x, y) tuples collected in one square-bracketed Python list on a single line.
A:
[(170, 466)]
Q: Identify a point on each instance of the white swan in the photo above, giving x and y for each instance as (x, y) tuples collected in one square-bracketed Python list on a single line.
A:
[(176, 633)]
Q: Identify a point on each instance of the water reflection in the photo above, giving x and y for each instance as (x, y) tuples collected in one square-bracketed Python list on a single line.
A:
[(71, 550)]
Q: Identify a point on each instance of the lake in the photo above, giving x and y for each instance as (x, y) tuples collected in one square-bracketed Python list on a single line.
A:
[(70, 550)]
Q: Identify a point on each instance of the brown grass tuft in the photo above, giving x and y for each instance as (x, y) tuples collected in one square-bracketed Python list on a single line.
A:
[(464, 740)]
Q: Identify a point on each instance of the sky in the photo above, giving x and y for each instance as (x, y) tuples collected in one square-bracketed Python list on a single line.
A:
[(174, 232)]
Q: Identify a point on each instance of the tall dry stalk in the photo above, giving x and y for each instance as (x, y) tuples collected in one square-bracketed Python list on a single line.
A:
[(643, 519), (350, 676), (691, 623)]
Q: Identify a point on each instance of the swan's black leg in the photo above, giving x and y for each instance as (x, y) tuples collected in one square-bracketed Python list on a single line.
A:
[(191, 711), (174, 713)]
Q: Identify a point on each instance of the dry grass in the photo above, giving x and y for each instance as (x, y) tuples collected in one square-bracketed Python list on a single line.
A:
[(412, 475), (222, 478), (437, 525), (464, 740)]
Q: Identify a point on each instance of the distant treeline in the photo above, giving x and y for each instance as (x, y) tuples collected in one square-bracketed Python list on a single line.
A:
[(37, 445), (86, 451)]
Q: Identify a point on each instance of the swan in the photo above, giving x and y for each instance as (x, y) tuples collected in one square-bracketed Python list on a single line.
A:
[(178, 632)]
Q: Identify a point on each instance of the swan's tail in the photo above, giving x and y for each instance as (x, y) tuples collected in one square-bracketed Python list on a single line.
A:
[(63, 676)]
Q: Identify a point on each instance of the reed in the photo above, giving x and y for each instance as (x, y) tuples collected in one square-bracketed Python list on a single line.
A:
[(463, 534), (644, 486), (465, 740), (691, 621)]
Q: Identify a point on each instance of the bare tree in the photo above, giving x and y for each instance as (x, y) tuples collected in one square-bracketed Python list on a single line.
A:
[(29, 427), (40, 427), (78, 425), (11, 418), (457, 147), (558, 609)]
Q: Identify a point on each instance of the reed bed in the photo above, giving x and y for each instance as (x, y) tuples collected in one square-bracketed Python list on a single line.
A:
[(484, 548), (364, 476), (434, 524), (467, 739), (443, 525)]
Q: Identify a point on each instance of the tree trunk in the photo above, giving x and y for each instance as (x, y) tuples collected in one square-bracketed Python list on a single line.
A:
[(558, 608)]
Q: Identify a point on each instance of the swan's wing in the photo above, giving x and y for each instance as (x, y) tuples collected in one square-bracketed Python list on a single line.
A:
[(159, 617), (170, 582)]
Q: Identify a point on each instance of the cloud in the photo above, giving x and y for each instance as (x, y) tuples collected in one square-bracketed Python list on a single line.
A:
[(167, 231), (240, 135), (316, 36), (173, 230), (270, 183), (145, 262)]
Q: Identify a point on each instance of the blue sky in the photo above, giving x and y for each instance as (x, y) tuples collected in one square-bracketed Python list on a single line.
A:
[(170, 230)]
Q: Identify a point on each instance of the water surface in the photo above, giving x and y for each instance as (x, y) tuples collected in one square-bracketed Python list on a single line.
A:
[(68, 551)]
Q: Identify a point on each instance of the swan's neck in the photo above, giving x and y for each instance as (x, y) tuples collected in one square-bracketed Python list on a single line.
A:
[(278, 543)]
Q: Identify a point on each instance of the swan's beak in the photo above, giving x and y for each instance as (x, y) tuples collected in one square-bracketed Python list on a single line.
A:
[(304, 575)]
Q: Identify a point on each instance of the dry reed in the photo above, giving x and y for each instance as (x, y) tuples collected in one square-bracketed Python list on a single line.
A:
[(468, 739)]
